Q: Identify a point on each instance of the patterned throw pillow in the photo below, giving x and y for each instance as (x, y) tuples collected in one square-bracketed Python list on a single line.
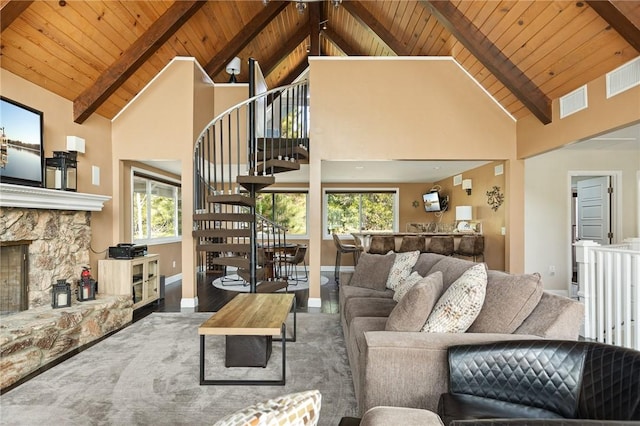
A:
[(460, 305), (401, 268), (296, 409), (405, 285)]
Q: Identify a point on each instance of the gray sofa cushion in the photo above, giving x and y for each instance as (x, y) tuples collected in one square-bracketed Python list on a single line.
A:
[(349, 291), (414, 308), (367, 307), (510, 298), (425, 262), (384, 416), (362, 324), (372, 271), (555, 317), (452, 268)]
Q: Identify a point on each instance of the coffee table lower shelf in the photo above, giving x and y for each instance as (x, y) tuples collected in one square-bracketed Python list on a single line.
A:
[(244, 302)]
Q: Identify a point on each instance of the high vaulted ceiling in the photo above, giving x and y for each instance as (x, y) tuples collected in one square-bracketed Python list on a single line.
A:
[(100, 54)]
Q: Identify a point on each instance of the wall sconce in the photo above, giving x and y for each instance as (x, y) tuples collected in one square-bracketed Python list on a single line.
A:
[(61, 294), (61, 171), (233, 68), (466, 185), (74, 143)]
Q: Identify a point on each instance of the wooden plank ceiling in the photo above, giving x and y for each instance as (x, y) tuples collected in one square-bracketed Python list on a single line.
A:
[(100, 54)]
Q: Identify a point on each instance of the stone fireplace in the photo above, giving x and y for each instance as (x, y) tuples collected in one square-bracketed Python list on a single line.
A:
[(57, 247), (51, 231)]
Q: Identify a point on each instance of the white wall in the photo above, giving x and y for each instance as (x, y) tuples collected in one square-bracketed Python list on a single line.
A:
[(547, 207)]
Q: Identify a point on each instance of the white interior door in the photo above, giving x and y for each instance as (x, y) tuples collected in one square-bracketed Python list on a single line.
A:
[(594, 210)]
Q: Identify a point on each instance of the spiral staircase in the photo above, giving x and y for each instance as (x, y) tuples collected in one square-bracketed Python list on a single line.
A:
[(236, 157)]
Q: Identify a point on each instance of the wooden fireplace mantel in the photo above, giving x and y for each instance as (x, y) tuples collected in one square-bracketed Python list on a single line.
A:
[(31, 197)]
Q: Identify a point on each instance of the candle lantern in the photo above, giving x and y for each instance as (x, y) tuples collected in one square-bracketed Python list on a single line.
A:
[(61, 294), (62, 171), (86, 286)]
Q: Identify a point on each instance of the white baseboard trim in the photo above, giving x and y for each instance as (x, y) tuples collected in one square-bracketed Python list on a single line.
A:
[(332, 269), (314, 302), (564, 293), (188, 302), (173, 279)]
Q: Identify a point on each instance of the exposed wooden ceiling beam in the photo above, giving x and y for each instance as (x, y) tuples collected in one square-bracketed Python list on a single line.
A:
[(366, 19), (136, 55), (294, 41), (341, 43), (246, 34), (315, 16), (610, 12), (11, 10), (294, 73), (492, 58)]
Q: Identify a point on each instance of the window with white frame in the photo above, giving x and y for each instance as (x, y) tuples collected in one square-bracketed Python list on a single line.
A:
[(287, 208), (156, 209), (356, 210)]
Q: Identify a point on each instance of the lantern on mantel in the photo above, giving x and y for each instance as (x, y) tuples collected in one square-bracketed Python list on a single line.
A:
[(61, 294), (86, 286), (62, 171)]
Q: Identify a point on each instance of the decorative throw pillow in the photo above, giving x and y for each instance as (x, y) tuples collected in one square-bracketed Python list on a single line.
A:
[(296, 409), (401, 268), (460, 305), (412, 311), (372, 271), (405, 285)]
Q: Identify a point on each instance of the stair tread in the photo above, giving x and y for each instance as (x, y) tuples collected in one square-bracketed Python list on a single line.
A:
[(232, 199), (233, 217), (237, 261), (221, 233), (300, 153), (255, 182), (225, 247), (278, 166), (271, 286)]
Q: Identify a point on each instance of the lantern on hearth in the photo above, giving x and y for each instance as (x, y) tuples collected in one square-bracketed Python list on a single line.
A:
[(61, 294), (62, 171), (86, 286)]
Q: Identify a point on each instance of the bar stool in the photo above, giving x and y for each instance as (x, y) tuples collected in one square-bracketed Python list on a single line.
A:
[(441, 244), (412, 243), (381, 244), (344, 248), (471, 246)]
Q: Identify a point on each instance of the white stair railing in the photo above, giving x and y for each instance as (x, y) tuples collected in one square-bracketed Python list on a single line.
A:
[(609, 286)]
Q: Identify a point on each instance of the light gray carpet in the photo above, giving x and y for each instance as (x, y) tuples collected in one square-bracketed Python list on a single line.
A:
[(148, 374)]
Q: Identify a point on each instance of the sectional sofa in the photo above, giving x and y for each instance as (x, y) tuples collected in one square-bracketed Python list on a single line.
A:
[(395, 364)]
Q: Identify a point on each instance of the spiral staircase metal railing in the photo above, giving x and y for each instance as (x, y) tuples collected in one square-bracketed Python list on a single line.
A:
[(237, 156)]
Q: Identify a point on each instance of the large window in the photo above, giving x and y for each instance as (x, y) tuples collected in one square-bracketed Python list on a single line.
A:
[(354, 210), (156, 209), (288, 209)]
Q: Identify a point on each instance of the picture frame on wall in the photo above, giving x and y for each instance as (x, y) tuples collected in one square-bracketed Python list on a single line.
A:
[(22, 148)]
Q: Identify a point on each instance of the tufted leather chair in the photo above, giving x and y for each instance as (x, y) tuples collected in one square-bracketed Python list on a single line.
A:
[(542, 379)]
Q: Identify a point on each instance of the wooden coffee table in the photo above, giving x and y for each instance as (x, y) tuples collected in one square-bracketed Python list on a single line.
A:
[(251, 314)]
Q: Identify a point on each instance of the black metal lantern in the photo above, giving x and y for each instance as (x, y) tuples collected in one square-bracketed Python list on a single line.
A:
[(86, 289), (62, 171), (61, 294)]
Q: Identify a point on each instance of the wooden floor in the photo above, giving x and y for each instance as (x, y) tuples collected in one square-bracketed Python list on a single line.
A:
[(211, 299)]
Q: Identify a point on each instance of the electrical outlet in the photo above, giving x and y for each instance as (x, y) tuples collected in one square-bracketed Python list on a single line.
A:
[(503, 231), (552, 270), (174, 263)]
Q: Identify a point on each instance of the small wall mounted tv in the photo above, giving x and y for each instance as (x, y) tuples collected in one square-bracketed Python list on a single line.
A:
[(433, 202)]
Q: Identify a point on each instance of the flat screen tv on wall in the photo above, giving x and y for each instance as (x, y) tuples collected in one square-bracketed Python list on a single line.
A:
[(433, 202), (22, 153)]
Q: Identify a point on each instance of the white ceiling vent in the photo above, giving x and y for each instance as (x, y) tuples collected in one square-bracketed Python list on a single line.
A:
[(573, 102), (623, 78)]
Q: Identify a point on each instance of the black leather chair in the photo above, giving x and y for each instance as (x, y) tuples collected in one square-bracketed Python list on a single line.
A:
[(547, 380)]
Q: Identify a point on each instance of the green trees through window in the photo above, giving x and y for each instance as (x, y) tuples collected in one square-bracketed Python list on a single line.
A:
[(288, 209), (156, 206), (348, 212)]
